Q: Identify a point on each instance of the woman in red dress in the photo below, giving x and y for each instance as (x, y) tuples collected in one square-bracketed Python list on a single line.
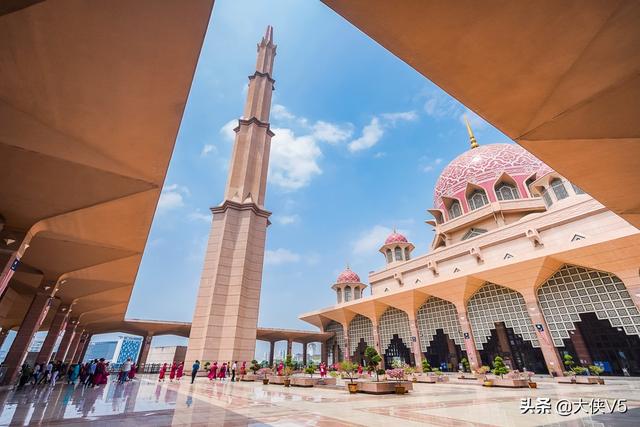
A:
[(179, 371), (172, 373), (213, 371), (223, 371), (132, 372), (163, 371)]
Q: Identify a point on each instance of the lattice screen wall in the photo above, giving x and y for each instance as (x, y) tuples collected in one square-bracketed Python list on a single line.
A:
[(493, 303), (336, 327), (394, 321), (360, 327), (434, 314), (573, 290)]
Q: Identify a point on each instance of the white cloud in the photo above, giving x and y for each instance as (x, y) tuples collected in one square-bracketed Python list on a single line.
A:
[(280, 256), (439, 105), (370, 240), (430, 164), (208, 148), (171, 197), (280, 112), (331, 133), (228, 130), (380, 155), (294, 160), (286, 219), (371, 134), (197, 215), (401, 116)]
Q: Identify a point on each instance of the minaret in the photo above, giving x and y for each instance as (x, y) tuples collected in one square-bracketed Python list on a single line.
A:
[(226, 314), (472, 139)]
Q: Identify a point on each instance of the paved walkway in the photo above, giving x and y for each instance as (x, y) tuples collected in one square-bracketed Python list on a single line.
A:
[(144, 402)]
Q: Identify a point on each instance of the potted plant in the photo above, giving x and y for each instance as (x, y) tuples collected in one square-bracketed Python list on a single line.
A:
[(410, 372), (597, 371), (348, 369), (426, 367), (529, 375), (372, 359), (206, 366), (264, 373), (310, 370), (465, 365), (255, 366), (499, 368), (397, 374), (482, 371)]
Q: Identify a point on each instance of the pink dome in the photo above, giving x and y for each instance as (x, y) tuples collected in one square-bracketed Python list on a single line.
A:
[(483, 166), (348, 276), (395, 238)]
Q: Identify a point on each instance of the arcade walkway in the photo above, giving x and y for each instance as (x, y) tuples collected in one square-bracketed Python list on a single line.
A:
[(147, 403)]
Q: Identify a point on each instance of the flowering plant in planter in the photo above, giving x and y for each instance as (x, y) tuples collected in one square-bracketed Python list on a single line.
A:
[(263, 372), (396, 374), (482, 371)]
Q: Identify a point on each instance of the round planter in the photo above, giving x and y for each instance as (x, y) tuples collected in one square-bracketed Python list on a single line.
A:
[(287, 382), (600, 381), (265, 381), (487, 383), (400, 389), (533, 385), (353, 388)]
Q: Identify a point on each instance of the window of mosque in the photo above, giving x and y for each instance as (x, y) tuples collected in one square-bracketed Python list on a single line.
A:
[(528, 183), (546, 197), (573, 290), (339, 292), (454, 210), (559, 189), (478, 199), (407, 254), (347, 293), (360, 328), (473, 233), (577, 189), (506, 191), (338, 338), (389, 256), (398, 253), (394, 321), (493, 303), (356, 293), (437, 314)]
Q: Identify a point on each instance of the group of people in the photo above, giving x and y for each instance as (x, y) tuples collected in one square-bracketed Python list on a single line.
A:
[(175, 373), (226, 370), (90, 374)]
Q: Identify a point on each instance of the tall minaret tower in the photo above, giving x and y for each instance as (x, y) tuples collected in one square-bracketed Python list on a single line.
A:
[(226, 314)]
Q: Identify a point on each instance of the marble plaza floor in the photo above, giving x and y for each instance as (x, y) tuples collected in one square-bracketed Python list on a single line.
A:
[(145, 402)]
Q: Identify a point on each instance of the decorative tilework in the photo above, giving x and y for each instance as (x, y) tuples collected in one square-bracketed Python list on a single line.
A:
[(336, 327), (493, 303), (573, 290), (360, 327), (394, 321), (434, 314)]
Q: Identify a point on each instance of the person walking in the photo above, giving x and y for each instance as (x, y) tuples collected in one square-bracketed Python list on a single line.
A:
[(194, 370), (126, 368), (213, 371), (233, 370), (163, 371), (172, 372), (223, 371), (179, 371)]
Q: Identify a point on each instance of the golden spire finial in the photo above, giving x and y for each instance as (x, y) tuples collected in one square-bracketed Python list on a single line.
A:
[(472, 139)]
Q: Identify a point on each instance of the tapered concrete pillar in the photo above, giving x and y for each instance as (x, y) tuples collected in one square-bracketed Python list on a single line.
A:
[(7, 272), (473, 355), (289, 347), (376, 342), (549, 352), (415, 341), (304, 353), (347, 346), (144, 351), (58, 325), (272, 349), (85, 347), (30, 324), (3, 336), (324, 352), (73, 347), (69, 334)]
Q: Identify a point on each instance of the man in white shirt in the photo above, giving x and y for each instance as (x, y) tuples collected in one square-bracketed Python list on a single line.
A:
[(124, 373), (233, 370)]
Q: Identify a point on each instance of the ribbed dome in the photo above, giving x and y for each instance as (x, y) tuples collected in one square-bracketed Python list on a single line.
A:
[(484, 165), (395, 238), (348, 276)]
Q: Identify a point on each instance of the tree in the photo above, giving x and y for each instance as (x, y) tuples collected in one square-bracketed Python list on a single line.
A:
[(465, 364), (568, 362), (499, 368), (426, 367), (310, 369), (596, 370), (372, 359), (254, 366), (348, 369)]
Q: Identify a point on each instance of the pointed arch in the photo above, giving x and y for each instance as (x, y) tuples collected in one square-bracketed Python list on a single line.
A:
[(360, 328), (453, 207), (476, 196), (394, 322), (506, 188), (335, 344), (435, 314)]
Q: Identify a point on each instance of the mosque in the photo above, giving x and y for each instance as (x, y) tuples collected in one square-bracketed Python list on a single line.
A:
[(523, 264)]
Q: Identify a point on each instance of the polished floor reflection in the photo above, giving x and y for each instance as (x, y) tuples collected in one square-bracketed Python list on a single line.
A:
[(145, 402)]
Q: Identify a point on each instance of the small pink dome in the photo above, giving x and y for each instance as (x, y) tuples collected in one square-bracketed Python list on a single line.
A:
[(348, 276), (395, 238)]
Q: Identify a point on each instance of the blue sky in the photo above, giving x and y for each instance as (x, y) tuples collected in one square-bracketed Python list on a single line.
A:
[(360, 140)]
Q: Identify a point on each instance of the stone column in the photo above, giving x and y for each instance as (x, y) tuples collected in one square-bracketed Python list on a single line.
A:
[(324, 355), (304, 353), (376, 342), (58, 324), (69, 333), (549, 352), (30, 324), (415, 341), (74, 348), (272, 349), (347, 345), (584, 357), (144, 351), (7, 272), (85, 347), (289, 347), (473, 355)]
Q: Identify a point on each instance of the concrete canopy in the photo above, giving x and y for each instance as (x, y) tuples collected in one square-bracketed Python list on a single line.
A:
[(562, 79), (91, 99)]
